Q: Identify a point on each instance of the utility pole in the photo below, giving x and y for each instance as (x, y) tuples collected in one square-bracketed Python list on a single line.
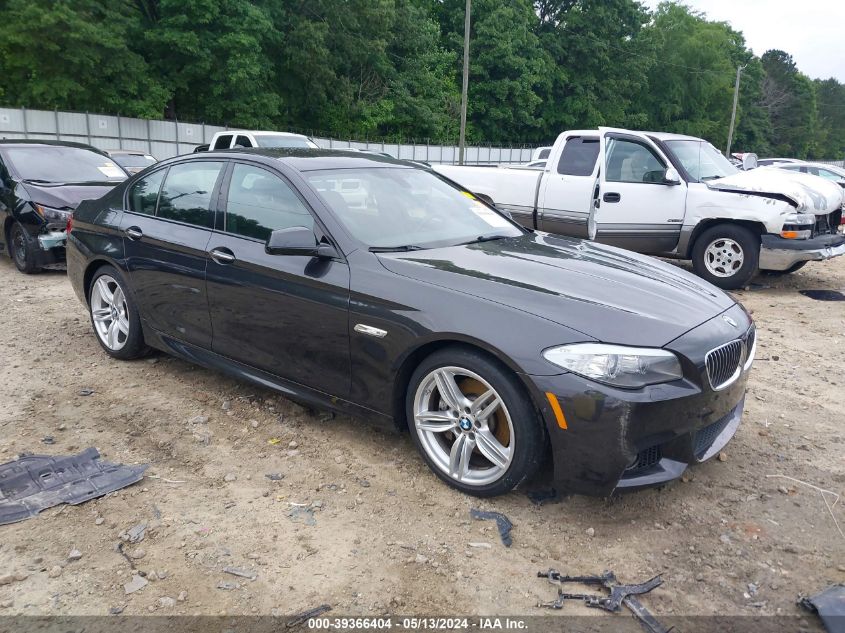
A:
[(465, 88), (739, 70)]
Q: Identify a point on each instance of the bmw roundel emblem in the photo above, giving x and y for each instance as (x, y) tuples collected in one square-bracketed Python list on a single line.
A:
[(466, 425)]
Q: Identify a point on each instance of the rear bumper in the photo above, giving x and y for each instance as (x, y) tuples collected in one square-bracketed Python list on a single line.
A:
[(616, 440), (777, 253)]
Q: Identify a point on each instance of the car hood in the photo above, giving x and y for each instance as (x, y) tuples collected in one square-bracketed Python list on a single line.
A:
[(606, 293), (67, 195), (810, 194)]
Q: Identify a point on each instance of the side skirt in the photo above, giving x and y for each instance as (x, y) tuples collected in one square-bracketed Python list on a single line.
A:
[(294, 391)]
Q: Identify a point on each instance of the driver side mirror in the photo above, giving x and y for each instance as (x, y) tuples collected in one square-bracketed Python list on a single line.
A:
[(298, 240), (671, 176)]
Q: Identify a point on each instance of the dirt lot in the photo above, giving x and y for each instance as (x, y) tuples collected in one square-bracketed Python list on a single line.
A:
[(377, 532)]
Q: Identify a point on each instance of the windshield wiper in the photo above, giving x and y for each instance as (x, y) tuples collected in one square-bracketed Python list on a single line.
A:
[(485, 238), (395, 249), (37, 181)]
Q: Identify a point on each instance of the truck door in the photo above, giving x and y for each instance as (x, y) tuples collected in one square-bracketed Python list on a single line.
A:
[(566, 195), (638, 206)]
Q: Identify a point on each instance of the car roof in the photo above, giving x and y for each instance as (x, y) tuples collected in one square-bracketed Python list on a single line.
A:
[(130, 152), (309, 159), (669, 136), (12, 142), (264, 133)]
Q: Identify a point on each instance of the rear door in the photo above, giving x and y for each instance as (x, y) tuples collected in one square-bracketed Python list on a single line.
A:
[(167, 224), (635, 209), (566, 194), (285, 314)]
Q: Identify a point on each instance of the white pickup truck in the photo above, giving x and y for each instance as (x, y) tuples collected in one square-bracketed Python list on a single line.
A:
[(669, 195), (238, 139)]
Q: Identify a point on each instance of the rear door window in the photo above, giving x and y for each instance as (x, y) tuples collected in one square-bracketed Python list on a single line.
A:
[(188, 192), (260, 202), (578, 157), (143, 195)]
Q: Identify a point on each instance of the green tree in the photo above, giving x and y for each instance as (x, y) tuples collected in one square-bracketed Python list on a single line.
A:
[(790, 101), (830, 104), (75, 55)]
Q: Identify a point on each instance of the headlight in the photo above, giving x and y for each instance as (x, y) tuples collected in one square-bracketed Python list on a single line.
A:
[(51, 215), (799, 218), (617, 365)]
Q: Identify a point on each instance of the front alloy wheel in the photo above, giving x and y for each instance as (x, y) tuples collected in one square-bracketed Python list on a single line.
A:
[(475, 428)]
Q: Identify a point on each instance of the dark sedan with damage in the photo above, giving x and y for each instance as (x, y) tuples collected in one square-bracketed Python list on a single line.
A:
[(380, 289), (41, 182)]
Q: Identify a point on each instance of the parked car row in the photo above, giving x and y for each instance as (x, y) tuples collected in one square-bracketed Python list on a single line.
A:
[(382, 289)]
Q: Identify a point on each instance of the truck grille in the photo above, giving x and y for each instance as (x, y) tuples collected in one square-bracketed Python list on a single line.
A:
[(828, 224), (723, 364)]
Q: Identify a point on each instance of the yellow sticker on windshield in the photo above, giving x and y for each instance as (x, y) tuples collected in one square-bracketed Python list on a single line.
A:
[(468, 195)]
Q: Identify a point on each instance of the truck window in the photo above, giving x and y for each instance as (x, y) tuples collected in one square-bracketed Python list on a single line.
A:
[(242, 141), (223, 141), (628, 161), (578, 157), (544, 153)]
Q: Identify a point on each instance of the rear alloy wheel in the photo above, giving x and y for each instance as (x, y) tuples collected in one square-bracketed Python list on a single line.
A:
[(726, 255), (22, 250), (474, 427), (115, 320)]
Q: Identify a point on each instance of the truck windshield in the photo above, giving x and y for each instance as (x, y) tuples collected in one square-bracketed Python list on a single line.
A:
[(277, 140), (399, 208), (701, 160), (59, 163)]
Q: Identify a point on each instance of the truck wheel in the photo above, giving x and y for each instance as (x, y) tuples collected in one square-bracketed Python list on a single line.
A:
[(796, 266), (726, 255), (22, 249)]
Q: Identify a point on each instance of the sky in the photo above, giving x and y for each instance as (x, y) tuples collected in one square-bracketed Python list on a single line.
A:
[(812, 31)]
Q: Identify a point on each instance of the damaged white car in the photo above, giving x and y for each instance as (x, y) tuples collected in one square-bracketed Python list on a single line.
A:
[(673, 196)]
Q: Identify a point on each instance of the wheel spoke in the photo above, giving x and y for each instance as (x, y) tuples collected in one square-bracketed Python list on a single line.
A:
[(485, 404), (435, 421), (118, 298), (101, 314), (490, 447), (459, 456), (105, 294), (449, 391), (123, 325), (111, 334)]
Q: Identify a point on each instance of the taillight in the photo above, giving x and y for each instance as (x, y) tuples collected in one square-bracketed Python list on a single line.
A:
[(69, 225)]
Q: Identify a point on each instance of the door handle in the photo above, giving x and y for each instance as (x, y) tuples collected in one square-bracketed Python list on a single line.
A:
[(612, 196), (134, 233), (222, 255)]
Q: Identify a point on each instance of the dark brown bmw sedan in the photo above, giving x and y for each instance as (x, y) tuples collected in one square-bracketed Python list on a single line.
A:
[(377, 288)]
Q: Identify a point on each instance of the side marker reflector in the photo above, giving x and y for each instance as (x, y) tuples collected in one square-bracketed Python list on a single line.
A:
[(561, 420)]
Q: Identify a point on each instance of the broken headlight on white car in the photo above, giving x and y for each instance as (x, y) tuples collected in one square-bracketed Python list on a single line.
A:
[(617, 365), (798, 226)]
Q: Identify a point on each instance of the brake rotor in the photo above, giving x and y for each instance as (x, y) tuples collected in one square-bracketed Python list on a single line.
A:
[(473, 388)]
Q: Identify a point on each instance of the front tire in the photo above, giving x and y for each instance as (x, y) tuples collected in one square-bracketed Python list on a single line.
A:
[(22, 250), (473, 423), (114, 317), (726, 255)]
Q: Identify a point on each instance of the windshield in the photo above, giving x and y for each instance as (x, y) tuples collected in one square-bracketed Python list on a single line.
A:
[(277, 140), (407, 208), (134, 160), (701, 160), (56, 163)]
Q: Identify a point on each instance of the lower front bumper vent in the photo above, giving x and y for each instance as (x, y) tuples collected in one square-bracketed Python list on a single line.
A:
[(646, 459)]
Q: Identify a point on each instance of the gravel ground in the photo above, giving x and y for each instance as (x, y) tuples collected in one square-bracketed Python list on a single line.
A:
[(358, 522)]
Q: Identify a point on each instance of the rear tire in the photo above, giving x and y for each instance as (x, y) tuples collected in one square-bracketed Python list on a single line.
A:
[(726, 255), (114, 317), (22, 249), (484, 437)]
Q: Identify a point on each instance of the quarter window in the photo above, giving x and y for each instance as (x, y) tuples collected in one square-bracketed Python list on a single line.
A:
[(143, 195), (628, 161), (187, 191), (260, 202)]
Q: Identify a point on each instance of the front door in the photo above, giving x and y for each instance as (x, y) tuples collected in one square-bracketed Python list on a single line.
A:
[(636, 209), (166, 228), (284, 314)]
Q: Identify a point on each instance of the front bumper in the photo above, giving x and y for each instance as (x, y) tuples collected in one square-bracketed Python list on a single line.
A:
[(619, 439), (777, 253)]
